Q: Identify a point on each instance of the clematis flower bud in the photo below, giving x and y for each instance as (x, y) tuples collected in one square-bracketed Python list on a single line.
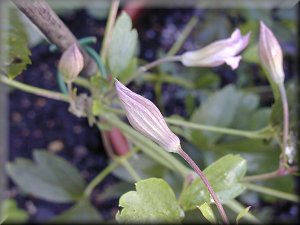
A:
[(218, 52), (71, 63), (271, 54), (118, 141), (146, 118)]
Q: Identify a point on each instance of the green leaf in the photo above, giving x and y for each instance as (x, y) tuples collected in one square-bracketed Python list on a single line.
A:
[(207, 213), (82, 212), (144, 166), (98, 84), (245, 145), (115, 190), (50, 177), (224, 176), (276, 113), (242, 214), (129, 71), (153, 201), (10, 213), (18, 52), (123, 45), (207, 80), (259, 118), (247, 104), (217, 110)]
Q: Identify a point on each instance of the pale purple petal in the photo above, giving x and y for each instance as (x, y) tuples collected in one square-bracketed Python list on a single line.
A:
[(271, 54), (145, 117), (233, 62)]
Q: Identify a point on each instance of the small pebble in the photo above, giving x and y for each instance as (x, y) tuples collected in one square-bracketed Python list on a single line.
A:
[(55, 146)]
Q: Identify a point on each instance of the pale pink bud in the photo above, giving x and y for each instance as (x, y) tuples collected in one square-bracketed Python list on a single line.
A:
[(146, 118), (218, 52), (71, 63), (271, 54)]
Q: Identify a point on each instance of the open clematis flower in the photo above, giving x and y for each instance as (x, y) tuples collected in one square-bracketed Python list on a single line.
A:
[(146, 118), (218, 52), (271, 54)]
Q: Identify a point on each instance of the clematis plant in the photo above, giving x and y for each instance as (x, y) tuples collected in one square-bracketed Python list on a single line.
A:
[(271, 57), (154, 199), (146, 118)]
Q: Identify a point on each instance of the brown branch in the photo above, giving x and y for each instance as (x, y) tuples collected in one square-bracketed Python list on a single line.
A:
[(43, 16)]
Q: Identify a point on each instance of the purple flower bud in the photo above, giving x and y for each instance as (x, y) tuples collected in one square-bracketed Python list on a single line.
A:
[(271, 54), (146, 118), (218, 52), (71, 63)]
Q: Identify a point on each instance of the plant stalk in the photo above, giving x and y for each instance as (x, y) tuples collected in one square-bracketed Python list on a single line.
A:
[(149, 66), (277, 173), (100, 177), (283, 160), (191, 162), (248, 134), (272, 192), (33, 90), (109, 27), (183, 36)]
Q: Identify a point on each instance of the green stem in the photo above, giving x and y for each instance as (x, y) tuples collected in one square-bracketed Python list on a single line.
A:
[(264, 176), (109, 27), (159, 61), (283, 160), (283, 171), (61, 83), (100, 177), (82, 82), (33, 90), (130, 170), (183, 36), (249, 134), (175, 48), (272, 192), (83, 41), (237, 207), (98, 60), (170, 79), (149, 66)]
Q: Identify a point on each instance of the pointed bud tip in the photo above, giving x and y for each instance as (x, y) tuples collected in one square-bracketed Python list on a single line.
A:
[(271, 53)]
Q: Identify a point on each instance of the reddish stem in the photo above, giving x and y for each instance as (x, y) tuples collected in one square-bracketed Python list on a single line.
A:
[(188, 159), (282, 171)]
